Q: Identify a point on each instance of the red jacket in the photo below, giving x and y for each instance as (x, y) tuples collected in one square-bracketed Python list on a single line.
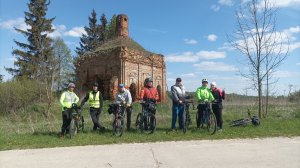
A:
[(149, 93)]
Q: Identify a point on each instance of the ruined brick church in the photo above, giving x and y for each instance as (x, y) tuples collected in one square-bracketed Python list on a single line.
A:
[(121, 60)]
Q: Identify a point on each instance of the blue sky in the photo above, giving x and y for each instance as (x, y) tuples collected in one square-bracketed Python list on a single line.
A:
[(190, 34)]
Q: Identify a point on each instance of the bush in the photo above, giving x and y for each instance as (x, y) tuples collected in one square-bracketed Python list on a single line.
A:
[(18, 94)]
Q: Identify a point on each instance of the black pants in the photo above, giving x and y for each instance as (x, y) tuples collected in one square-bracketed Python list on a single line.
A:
[(201, 108), (95, 114), (128, 115), (217, 109), (66, 117)]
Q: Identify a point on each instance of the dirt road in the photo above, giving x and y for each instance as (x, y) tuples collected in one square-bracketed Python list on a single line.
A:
[(269, 152)]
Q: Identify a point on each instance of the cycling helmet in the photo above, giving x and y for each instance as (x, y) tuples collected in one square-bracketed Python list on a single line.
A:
[(71, 85), (204, 80), (214, 83), (95, 84), (148, 80), (121, 85), (255, 120)]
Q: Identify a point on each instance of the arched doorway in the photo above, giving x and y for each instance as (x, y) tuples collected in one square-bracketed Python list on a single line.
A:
[(158, 87), (113, 87), (133, 91)]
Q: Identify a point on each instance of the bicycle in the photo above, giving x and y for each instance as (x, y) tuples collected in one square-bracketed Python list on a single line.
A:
[(146, 120), (208, 120), (77, 121), (118, 121), (245, 121), (186, 115)]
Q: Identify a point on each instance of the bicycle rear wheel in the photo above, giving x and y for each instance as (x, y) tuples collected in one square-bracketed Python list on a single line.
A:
[(118, 126), (212, 123), (73, 129)]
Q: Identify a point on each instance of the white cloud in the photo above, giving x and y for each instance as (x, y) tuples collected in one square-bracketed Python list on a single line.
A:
[(190, 41), (286, 38), (226, 2), (14, 23), (59, 30), (215, 7), (286, 74), (194, 57), (282, 3), (75, 32), (188, 75), (212, 37), (12, 59), (182, 57), (211, 54), (214, 66)]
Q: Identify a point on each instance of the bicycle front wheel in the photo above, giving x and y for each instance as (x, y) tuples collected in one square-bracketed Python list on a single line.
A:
[(212, 123), (118, 127), (150, 123), (73, 128), (139, 122), (186, 122)]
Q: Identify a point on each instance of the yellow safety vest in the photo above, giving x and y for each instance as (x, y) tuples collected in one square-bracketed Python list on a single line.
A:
[(94, 101), (68, 98)]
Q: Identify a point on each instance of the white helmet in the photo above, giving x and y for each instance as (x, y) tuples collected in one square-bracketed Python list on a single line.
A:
[(214, 83), (71, 85)]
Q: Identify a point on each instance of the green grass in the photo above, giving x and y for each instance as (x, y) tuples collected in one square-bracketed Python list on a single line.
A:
[(30, 129)]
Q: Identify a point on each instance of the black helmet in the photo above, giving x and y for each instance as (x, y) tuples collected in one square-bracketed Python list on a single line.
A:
[(95, 84), (148, 80), (255, 120)]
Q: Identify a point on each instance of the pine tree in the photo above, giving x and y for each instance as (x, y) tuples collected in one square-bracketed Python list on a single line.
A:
[(89, 41), (32, 57), (1, 78), (103, 28), (111, 28)]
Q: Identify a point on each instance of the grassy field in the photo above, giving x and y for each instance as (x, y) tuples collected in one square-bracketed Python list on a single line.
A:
[(30, 129)]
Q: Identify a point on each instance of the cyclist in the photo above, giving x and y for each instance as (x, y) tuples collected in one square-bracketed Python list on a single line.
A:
[(67, 98), (217, 106), (203, 95), (149, 93), (178, 97), (96, 103), (123, 96)]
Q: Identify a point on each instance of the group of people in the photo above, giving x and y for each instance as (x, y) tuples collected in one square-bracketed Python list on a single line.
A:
[(149, 92), (204, 95), (95, 101)]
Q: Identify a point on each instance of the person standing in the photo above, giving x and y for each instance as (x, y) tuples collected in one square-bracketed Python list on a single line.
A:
[(123, 96), (150, 95), (149, 92), (217, 105), (95, 100), (203, 96), (178, 98), (67, 98)]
